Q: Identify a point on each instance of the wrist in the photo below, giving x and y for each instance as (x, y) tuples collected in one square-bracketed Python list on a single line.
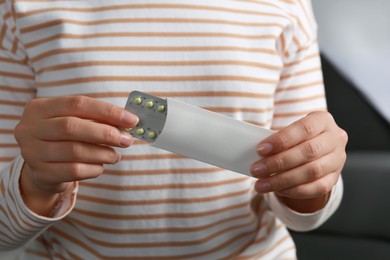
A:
[(39, 201)]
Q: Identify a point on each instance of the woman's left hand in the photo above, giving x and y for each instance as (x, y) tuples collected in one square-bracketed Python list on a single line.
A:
[(302, 162)]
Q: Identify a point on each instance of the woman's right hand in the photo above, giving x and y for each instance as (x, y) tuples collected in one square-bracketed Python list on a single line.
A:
[(67, 139)]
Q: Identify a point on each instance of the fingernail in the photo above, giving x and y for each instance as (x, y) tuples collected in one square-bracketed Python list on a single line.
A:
[(264, 148), (264, 186), (126, 139), (129, 119), (259, 168)]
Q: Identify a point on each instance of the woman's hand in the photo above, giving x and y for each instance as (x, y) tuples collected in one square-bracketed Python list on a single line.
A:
[(64, 140), (302, 162)]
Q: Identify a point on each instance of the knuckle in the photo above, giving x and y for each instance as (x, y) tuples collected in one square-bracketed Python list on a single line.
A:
[(19, 131), (343, 135), (77, 151), (282, 183), (283, 141), (313, 150), (69, 126), (307, 127), (317, 171), (77, 102), (75, 171), (110, 111), (110, 134), (322, 187), (277, 163)]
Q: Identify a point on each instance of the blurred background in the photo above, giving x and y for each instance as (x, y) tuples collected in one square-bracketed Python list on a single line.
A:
[(354, 39)]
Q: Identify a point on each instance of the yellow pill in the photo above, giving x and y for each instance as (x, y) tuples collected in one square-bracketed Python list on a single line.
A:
[(161, 108), (137, 100), (149, 104), (152, 134), (127, 129), (140, 131)]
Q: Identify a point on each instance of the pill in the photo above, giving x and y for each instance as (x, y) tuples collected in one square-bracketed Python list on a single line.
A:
[(138, 100), (152, 134), (149, 104), (127, 129), (140, 131), (160, 108)]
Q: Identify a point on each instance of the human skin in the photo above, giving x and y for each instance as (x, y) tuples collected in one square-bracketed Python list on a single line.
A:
[(64, 140), (302, 162)]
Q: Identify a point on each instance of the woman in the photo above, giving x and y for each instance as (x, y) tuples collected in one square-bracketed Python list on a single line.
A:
[(74, 63)]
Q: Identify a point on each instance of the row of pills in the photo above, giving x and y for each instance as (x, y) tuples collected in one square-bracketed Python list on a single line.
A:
[(148, 104)]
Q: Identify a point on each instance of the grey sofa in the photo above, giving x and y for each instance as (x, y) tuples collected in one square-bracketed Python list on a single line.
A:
[(360, 229)]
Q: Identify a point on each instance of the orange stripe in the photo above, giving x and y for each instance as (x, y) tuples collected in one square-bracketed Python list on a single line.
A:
[(8, 145), (157, 63), (146, 34), (161, 171), (148, 6), (301, 113), (300, 73), (161, 201), (17, 89), (239, 109), (15, 45), (37, 253), (7, 16), (151, 49), (9, 60), (152, 157), (120, 187), (295, 87), (156, 230), (6, 131), (268, 250), (2, 116), (6, 159), (160, 216), (311, 56), (297, 44), (144, 20), (12, 103), (297, 100), (16, 75), (2, 34), (185, 94), (155, 79)]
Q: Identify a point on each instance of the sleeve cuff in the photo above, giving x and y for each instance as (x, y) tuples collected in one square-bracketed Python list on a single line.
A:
[(306, 221), (64, 206)]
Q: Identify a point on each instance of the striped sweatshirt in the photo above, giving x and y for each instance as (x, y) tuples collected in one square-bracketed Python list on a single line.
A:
[(253, 60)]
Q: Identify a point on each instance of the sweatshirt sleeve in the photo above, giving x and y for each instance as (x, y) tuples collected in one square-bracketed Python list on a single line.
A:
[(18, 224), (300, 92)]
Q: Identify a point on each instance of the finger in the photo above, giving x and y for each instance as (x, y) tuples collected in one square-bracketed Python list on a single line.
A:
[(298, 132), (306, 173), (56, 173), (300, 154), (81, 130), (83, 107), (312, 190), (55, 152)]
